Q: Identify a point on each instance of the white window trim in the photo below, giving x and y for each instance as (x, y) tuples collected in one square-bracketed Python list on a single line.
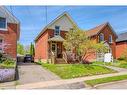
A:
[(100, 35), (111, 39), (4, 29), (59, 30)]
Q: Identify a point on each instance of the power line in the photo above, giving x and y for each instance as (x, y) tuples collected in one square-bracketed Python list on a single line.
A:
[(46, 14)]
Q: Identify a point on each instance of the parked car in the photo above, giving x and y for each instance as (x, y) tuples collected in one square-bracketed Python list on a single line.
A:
[(28, 58)]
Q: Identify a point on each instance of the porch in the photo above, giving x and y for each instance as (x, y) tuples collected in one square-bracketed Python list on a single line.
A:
[(56, 48)]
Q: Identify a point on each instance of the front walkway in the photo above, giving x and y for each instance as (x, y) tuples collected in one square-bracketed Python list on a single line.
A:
[(113, 85), (54, 83), (115, 68)]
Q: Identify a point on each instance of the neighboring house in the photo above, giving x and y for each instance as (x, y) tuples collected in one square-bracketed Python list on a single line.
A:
[(121, 44), (9, 33), (103, 32), (52, 36)]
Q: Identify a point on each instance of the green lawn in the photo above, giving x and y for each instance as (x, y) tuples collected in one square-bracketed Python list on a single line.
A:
[(119, 63), (105, 80), (67, 71)]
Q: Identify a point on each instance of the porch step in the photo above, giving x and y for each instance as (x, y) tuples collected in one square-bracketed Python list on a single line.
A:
[(60, 61)]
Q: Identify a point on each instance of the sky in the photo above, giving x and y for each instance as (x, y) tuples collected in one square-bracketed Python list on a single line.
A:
[(33, 18)]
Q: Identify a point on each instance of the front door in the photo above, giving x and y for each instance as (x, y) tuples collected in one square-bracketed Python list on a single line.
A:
[(54, 48)]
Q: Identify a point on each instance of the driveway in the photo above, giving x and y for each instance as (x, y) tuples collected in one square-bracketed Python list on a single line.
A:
[(113, 85), (30, 73)]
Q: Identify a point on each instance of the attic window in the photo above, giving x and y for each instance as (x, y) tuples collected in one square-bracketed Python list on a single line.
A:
[(57, 30), (101, 37), (3, 24)]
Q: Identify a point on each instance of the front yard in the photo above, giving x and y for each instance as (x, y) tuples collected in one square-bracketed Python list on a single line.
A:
[(119, 63), (106, 80), (67, 71)]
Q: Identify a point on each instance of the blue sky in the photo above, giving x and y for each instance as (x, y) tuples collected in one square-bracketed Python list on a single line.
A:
[(33, 18)]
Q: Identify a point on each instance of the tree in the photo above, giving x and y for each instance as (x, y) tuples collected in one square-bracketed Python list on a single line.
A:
[(32, 50), (81, 44), (20, 49)]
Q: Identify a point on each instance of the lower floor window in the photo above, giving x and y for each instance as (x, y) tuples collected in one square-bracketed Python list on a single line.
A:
[(1, 45)]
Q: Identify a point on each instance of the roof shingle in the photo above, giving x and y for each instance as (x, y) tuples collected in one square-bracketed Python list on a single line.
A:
[(122, 37), (95, 30)]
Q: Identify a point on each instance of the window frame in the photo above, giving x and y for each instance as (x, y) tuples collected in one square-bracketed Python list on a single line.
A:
[(5, 24), (55, 31), (110, 38), (101, 34), (2, 50)]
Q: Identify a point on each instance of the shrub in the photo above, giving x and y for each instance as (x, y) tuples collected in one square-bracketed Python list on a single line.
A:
[(8, 63), (2, 57)]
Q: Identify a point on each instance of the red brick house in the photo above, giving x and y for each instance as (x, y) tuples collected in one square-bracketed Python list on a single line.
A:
[(9, 32), (103, 32), (52, 36), (121, 44)]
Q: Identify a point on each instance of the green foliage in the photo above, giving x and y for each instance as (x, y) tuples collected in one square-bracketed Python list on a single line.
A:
[(105, 80), (32, 50), (67, 71), (20, 49), (124, 55), (2, 57), (8, 63), (78, 40)]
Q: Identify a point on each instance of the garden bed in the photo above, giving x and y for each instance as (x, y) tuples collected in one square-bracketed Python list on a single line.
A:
[(67, 71), (7, 70)]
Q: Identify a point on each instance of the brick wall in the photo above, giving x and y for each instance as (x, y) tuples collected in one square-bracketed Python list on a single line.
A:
[(9, 36), (120, 48)]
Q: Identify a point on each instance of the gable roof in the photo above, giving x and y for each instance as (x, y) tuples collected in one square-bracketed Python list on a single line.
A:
[(9, 16), (60, 16), (122, 37), (94, 31)]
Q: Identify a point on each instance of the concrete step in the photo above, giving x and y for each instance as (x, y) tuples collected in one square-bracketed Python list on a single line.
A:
[(60, 61)]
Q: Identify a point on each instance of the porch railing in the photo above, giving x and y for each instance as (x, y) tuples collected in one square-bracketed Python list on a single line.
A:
[(53, 58), (65, 56)]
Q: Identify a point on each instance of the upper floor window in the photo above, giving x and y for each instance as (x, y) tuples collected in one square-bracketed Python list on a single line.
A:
[(110, 39), (3, 24), (57, 30), (101, 37)]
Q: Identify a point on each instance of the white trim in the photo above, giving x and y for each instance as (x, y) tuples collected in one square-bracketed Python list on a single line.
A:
[(4, 29), (55, 48), (55, 30), (101, 34), (111, 39)]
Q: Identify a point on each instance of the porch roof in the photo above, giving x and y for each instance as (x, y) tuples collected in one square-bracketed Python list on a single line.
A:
[(56, 39)]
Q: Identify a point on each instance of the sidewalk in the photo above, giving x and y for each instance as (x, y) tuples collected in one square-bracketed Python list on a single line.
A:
[(66, 81)]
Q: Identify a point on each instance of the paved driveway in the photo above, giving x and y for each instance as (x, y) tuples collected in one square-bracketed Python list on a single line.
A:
[(113, 85), (30, 72)]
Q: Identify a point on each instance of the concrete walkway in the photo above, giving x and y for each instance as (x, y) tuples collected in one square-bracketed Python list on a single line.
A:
[(115, 68), (113, 85), (63, 82)]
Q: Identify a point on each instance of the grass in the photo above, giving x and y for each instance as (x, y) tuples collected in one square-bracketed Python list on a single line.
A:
[(67, 71), (106, 80), (119, 63)]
